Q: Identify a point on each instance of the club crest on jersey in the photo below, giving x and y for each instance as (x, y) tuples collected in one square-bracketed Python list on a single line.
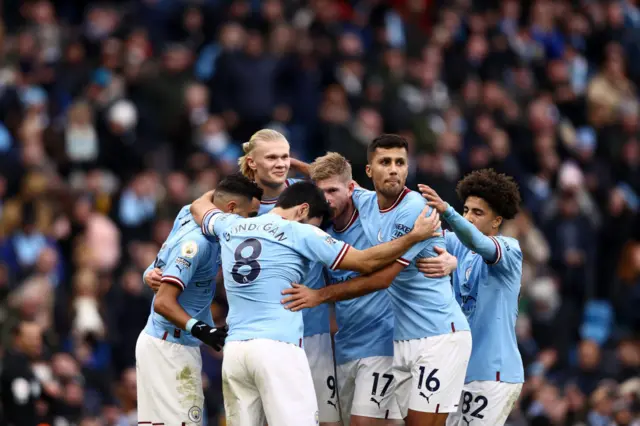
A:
[(467, 273), (195, 414), (189, 249)]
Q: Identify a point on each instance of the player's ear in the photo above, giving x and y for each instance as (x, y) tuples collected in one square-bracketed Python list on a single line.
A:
[(351, 187), (497, 222), (303, 210), (232, 207), (367, 169), (251, 163)]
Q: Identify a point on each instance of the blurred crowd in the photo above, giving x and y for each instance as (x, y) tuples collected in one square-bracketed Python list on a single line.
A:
[(114, 115)]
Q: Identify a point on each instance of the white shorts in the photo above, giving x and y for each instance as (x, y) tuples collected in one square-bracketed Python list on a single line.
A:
[(320, 355), (430, 372), (366, 388), (266, 380), (169, 382), (485, 404)]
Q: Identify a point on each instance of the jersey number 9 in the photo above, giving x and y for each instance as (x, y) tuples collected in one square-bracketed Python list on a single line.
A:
[(249, 264)]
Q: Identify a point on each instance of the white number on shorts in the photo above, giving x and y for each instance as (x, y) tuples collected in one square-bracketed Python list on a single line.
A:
[(331, 384), (467, 398), (376, 376), (431, 383)]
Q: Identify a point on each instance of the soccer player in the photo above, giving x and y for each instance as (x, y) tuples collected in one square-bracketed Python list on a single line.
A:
[(267, 162), (432, 342), (265, 371), (487, 286), (168, 361), (364, 341)]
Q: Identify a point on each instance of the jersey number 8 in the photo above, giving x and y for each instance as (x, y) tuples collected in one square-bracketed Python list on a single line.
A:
[(249, 264)]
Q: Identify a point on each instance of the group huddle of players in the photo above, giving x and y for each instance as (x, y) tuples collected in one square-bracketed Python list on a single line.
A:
[(426, 318)]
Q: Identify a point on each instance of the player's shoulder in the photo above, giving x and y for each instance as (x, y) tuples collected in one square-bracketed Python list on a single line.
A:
[(510, 244), (411, 204), (291, 181), (193, 243)]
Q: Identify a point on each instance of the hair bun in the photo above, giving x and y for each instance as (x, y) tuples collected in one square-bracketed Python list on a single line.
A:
[(246, 147)]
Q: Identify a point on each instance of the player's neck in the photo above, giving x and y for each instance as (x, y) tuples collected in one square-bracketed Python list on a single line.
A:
[(386, 201), (270, 192), (341, 221), (283, 213)]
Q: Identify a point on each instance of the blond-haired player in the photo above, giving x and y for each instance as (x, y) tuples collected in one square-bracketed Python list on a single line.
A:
[(267, 161), (364, 342)]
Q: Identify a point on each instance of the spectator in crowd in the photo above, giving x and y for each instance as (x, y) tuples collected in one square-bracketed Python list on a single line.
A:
[(112, 116)]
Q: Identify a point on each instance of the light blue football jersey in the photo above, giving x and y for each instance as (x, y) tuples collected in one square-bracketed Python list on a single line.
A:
[(316, 320), (365, 324), (267, 204), (488, 294), (261, 257), (188, 261), (423, 307)]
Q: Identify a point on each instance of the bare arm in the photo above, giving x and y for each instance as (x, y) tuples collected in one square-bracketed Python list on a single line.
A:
[(166, 304), (201, 206), (374, 258), (300, 166), (301, 297)]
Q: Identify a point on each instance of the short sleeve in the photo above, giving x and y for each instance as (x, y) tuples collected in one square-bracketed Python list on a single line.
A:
[(452, 243), (360, 197), (316, 245), (183, 261), (215, 222), (509, 254), (404, 224)]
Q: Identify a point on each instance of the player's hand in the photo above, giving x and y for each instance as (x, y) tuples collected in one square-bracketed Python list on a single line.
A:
[(152, 279), (301, 297), (439, 266), (427, 226), (433, 199), (213, 337)]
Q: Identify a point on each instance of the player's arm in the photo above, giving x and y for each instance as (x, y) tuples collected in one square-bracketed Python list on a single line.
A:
[(300, 166), (374, 258), (152, 276), (178, 272), (201, 206), (441, 265), (469, 235), (301, 297)]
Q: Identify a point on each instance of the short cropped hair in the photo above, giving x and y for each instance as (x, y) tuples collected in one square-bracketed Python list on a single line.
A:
[(498, 190), (386, 141), (305, 192), (238, 184), (330, 165), (264, 135)]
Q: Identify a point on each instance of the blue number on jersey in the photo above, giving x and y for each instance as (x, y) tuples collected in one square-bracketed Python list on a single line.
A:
[(423, 307), (187, 261), (316, 320), (262, 256)]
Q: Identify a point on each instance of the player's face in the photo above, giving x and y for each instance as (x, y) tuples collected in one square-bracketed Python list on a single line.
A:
[(388, 169), (481, 215), (337, 192), (271, 162)]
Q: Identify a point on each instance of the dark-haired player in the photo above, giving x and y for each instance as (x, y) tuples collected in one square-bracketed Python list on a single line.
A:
[(487, 286), (168, 362), (265, 371), (432, 342)]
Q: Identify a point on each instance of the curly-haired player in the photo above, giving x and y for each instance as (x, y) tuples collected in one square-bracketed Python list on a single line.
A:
[(487, 286)]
